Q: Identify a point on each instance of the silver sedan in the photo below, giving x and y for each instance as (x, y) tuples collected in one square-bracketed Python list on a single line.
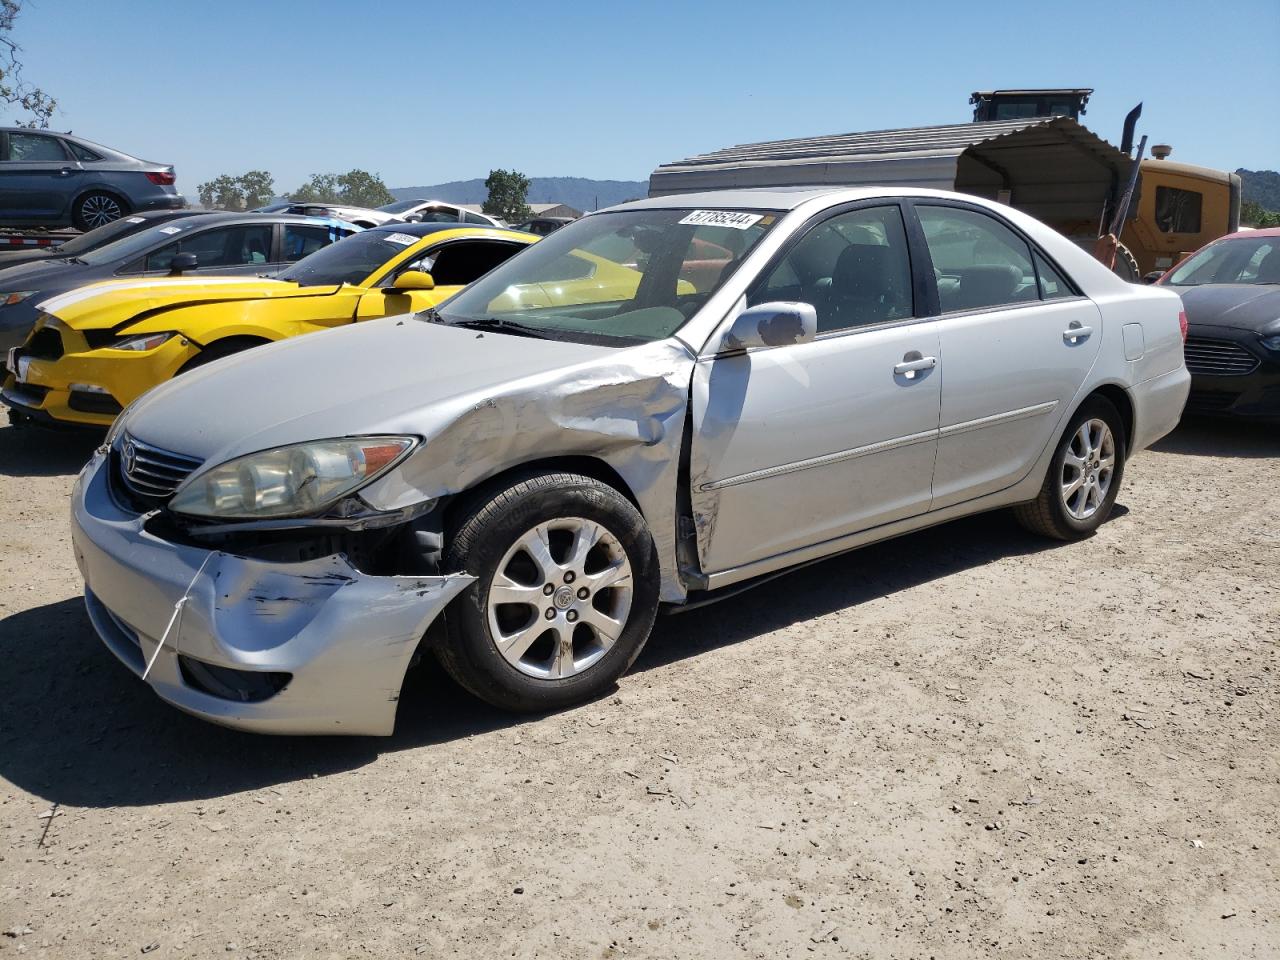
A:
[(657, 402)]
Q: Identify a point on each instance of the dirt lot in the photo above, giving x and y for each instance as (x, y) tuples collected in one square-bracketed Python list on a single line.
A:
[(964, 743)]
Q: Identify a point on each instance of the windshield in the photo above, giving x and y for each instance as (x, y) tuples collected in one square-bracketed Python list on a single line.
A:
[(1238, 260), (350, 260), (135, 244), (400, 206), (100, 235), (626, 277)]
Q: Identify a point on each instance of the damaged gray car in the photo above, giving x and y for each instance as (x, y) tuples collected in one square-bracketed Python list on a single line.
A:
[(656, 405)]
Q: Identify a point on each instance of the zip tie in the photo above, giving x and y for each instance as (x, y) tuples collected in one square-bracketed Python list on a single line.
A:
[(177, 610)]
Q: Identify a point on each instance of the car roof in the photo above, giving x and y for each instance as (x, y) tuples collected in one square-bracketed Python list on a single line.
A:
[(424, 229), (223, 216), (1254, 232)]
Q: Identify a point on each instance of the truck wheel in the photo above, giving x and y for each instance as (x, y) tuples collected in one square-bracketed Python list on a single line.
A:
[(1084, 476), (97, 209), (1126, 267), (565, 594)]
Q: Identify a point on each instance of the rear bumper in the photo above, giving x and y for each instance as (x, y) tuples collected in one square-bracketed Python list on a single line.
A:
[(174, 202), (1157, 406), (343, 638), (1254, 395)]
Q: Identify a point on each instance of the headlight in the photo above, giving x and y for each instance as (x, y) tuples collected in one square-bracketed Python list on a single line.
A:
[(9, 299), (289, 481), (145, 341), (1272, 343)]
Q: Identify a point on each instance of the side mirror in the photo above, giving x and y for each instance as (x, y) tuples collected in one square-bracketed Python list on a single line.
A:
[(182, 262), (412, 218), (775, 324), (414, 280), (1153, 276)]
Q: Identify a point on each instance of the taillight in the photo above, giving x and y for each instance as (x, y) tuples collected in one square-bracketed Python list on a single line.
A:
[(162, 179), (1182, 324)]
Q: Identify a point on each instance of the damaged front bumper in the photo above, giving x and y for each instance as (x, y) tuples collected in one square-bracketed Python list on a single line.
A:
[(311, 647)]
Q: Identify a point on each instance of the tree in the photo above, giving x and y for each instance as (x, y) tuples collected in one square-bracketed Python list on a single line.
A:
[(1254, 214), (507, 192), (356, 188), (13, 89), (245, 192)]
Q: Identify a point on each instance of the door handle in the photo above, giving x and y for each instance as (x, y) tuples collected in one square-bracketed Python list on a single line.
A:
[(912, 363), (1076, 332), (65, 172)]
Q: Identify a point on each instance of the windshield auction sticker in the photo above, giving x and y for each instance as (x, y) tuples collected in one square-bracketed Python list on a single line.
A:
[(722, 218), (403, 239)]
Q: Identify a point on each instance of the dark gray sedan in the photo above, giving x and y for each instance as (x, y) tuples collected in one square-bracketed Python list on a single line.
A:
[(216, 243), (1231, 293), (97, 237), (55, 180)]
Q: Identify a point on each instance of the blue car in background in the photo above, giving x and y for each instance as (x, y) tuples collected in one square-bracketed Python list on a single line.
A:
[(52, 179)]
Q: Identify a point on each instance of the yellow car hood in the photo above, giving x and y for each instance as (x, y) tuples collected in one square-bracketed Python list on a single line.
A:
[(106, 305)]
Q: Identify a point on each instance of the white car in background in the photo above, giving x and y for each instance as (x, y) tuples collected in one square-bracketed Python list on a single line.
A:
[(654, 403), (437, 211)]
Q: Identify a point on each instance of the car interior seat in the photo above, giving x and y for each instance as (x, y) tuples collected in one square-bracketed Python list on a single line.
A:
[(985, 284), (867, 285)]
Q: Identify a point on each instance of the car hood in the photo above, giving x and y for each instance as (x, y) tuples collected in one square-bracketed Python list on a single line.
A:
[(397, 375), (37, 274), (12, 258), (105, 305), (1244, 306)]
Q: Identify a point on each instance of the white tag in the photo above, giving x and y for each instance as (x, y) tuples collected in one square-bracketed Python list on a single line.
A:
[(170, 229), (23, 368), (135, 219), (722, 218), (403, 239)]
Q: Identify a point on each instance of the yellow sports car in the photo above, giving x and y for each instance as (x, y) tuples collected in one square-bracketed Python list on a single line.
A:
[(95, 349)]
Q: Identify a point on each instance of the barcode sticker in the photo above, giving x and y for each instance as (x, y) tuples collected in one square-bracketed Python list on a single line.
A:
[(722, 218), (404, 239)]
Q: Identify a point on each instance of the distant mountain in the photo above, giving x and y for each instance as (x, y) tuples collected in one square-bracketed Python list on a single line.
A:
[(577, 192), (1262, 187)]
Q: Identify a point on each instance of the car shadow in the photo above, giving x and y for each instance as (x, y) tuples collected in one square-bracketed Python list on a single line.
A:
[(42, 452), (1207, 437), (76, 728)]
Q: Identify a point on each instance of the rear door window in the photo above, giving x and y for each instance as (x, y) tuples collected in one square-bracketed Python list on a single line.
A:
[(35, 148), (977, 261), (299, 240)]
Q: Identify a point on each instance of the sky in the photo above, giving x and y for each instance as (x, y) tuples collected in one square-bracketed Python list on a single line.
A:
[(426, 92)]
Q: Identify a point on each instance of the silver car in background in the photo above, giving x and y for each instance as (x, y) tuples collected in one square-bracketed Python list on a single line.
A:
[(56, 180), (656, 402)]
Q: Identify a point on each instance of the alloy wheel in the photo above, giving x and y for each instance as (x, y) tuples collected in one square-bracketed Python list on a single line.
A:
[(100, 209), (559, 598), (1088, 468)]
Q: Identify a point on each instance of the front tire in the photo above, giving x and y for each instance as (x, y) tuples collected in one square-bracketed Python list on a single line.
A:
[(1084, 476), (97, 209), (565, 595)]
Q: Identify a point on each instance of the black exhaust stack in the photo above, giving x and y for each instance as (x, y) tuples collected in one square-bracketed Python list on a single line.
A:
[(1130, 124)]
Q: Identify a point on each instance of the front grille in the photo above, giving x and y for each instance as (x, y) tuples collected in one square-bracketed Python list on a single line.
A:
[(27, 394), (149, 472), (44, 344), (1218, 358)]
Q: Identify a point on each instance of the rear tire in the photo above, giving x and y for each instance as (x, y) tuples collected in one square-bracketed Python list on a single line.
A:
[(1084, 475), (96, 209), (565, 595)]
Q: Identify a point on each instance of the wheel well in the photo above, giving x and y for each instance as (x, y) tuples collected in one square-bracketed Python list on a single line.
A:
[(592, 467), (223, 347), (1119, 398), (125, 205)]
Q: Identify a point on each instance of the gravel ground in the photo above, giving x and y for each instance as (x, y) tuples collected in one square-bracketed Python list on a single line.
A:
[(964, 743)]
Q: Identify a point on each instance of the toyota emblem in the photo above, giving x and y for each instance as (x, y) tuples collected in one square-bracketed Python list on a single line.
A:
[(130, 457)]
